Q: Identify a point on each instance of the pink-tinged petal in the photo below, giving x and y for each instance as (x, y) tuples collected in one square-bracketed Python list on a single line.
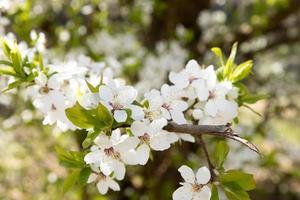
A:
[(187, 174), (203, 175), (183, 193)]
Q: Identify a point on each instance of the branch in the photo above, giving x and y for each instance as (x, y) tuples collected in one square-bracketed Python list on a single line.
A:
[(215, 130), (210, 165)]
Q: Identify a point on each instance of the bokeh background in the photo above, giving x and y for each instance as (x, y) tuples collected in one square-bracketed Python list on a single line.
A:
[(142, 40)]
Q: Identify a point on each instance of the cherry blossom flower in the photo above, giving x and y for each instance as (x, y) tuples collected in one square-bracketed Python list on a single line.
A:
[(195, 186), (112, 153), (118, 97), (103, 182), (151, 136)]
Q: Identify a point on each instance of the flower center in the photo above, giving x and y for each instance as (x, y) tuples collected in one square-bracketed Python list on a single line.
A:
[(211, 95), (111, 152), (196, 187), (145, 138), (166, 106)]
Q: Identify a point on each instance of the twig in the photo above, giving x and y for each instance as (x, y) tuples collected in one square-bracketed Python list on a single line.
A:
[(210, 165), (215, 130)]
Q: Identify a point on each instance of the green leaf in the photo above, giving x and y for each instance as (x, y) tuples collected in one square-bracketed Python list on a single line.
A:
[(221, 152), (104, 116), (6, 63), (6, 49), (251, 99), (71, 159), (90, 138), (13, 85), (9, 71), (70, 181), (81, 117), (16, 59), (242, 179), (84, 175), (230, 62), (214, 193), (242, 71), (234, 192), (92, 88), (218, 52)]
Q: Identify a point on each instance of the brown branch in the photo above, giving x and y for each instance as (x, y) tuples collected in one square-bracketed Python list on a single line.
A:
[(215, 130), (210, 165)]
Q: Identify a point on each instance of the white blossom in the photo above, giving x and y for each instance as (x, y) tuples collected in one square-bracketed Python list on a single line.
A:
[(194, 186)]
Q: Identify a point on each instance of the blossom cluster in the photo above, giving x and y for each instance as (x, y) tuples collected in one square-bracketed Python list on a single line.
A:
[(194, 95)]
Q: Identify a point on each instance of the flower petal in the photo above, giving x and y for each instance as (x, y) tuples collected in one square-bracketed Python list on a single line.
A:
[(203, 175), (187, 174), (183, 193), (106, 93), (120, 115), (203, 194), (102, 187)]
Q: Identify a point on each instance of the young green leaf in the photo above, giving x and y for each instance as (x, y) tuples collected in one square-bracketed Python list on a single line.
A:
[(81, 117), (16, 59), (84, 175), (251, 99), (12, 85), (221, 152), (242, 179), (92, 88), (104, 116), (234, 192), (242, 71), (218, 52), (9, 71), (6, 49), (70, 181), (230, 62), (71, 159), (90, 138), (214, 193)]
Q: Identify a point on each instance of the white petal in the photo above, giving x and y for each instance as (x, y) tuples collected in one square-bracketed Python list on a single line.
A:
[(183, 193), (203, 175), (187, 174), (179, 79), (143, 153), (203, 194), (113, 185), (139, 128), (93, 157), (106, 93), (102, 187), (178, 116), (103, 141), (127, 144), (157, 125), (187, 137), (197, 114), (119, 170), (159, 142), (120, 115), (137, 112), (92, 177), (106, 168), (211, 108)]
